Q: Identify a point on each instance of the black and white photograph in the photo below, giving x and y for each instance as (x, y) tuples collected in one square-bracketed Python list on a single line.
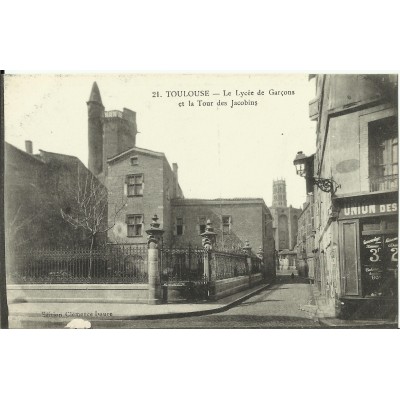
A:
[(211, 201), (199, 200)]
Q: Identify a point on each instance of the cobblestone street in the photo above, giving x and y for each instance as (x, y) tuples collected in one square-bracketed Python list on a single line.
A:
[(282, 305)]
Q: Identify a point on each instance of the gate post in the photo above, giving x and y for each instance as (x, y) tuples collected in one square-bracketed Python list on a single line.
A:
[(154, 235), (209, 238), (247, 250)]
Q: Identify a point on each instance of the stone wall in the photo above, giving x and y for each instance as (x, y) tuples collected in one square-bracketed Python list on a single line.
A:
[(79, 293)]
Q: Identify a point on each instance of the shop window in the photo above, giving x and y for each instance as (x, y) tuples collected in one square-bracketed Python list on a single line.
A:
[(134, 224), (379, 258), (383, 154), (371, 225), (392, 225)]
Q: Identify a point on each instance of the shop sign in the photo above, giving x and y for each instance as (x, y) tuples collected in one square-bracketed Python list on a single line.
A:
[(354, 209), (379, 260)]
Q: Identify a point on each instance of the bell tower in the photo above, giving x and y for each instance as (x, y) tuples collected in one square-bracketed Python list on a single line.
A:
[(95, 130), (279, 193)]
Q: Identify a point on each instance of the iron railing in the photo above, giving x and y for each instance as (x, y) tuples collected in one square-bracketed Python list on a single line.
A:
[(124, 264), (109, 264), (181, 264), (388, 182), (229, 265)]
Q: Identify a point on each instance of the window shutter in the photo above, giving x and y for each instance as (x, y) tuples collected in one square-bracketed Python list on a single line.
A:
[(125, 189)]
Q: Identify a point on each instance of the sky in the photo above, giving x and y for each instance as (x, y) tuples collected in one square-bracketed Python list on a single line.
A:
[(221, 151)]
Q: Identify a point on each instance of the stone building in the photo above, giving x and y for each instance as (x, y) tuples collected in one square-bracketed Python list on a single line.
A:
[(109, 132), (305, 241), (234, 222), (284, 224), (356, 222), (144, 181), (37, 187)]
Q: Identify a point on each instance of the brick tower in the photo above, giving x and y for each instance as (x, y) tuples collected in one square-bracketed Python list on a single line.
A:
[(119, 132), (279, 193), (110, 132)]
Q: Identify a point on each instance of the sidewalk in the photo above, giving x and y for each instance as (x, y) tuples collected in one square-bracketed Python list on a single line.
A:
[(326, 316), (65, 312)]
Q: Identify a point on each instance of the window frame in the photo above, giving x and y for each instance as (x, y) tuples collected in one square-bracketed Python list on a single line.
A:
[(134, 185), (134, 225), (224, 224), (136, 159)]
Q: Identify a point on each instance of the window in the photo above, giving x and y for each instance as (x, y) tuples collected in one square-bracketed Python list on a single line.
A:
[(179, 226), (135, 224), (134, 185), (134, 160), (383, 154), (202, 224), (226, 224)]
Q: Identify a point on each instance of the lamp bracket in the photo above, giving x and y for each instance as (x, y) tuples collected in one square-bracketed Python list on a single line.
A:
[(326, 185)]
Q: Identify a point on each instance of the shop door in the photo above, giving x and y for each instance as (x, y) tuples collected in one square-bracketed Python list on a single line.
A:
[(349, 257)]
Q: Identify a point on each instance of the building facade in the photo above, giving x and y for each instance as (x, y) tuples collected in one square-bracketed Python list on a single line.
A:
[(144, 183), (37, 187), (356, 225), (284, 225), (235, 221), (306, 241)]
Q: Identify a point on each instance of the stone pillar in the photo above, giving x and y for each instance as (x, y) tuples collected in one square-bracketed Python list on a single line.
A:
[(247, 250), (154, 235), (209, 239)]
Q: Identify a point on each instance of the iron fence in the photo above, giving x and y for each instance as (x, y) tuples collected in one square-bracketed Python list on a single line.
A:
[(109, 264), (181, 264), (229, 264)]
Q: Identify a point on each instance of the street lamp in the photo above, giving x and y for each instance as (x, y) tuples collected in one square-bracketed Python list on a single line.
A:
[(304, 168)]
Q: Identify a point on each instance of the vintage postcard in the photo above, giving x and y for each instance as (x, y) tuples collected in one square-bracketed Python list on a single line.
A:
[(200, 201)]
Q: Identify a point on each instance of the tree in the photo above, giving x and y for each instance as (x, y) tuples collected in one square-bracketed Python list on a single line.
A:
[(87, 208)]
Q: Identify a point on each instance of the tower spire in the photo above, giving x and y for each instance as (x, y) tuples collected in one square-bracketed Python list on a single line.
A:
[(95, 130), (95, 94)]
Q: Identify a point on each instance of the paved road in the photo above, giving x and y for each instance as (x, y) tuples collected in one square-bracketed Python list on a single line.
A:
[(285, 304), (279, 306)]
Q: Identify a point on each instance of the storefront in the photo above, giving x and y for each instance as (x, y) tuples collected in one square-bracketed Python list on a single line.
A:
[(368, 253)]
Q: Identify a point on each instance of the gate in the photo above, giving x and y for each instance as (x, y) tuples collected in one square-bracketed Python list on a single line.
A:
[(184, 268)]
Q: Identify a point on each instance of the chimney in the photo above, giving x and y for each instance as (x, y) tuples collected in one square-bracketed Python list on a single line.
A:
[(28, 146), (176, 184)]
